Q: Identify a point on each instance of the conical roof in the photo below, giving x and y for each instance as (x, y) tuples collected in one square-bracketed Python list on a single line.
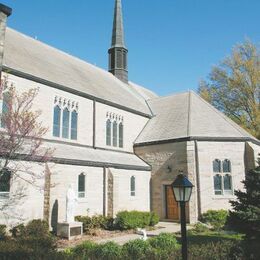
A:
[(187, 116)]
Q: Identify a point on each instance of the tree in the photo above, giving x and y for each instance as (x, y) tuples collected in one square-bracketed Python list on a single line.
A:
[(20, 142), (233, 87), (245, 216)]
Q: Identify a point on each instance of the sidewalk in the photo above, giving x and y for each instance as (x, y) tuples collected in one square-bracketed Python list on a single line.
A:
[(162, 227)]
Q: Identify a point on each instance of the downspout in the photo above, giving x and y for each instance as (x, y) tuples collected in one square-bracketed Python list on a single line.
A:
[(198, 178), (104, 192)]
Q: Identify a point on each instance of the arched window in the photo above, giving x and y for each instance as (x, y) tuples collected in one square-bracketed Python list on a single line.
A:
[(5, 108), (65, 123), (132, 186), (227, 184), (74, 126), (226, 165), (5, 178), (56, 121), (81, 185), (216, 165), (115, 133), (108, 132), (218, 184), (121, 135)]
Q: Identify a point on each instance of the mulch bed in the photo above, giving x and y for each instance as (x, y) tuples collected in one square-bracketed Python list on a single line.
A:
[(94, 235)]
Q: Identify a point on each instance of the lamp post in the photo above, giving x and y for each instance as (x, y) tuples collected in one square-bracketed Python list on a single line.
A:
[(182, 188)]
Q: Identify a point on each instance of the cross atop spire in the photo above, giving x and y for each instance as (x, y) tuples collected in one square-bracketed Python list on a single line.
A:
[(118, 51), (118, 28)]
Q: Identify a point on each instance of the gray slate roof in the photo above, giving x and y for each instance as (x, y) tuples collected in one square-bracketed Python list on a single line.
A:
[(27, 55), (79, 155), (187, 115)]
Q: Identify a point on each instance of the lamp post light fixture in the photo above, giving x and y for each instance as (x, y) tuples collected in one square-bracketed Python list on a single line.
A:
[(182, 189)]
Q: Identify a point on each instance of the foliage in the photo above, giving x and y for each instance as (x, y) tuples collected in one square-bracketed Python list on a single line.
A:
[(245, 216), (85, 250), (166, 241), (96, 222), (216, 218), (2, 232), (234, 87), (135, 219), (108, 251), (199, 228)]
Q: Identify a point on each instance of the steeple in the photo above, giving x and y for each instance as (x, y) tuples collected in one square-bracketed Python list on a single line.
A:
[(118, 51)]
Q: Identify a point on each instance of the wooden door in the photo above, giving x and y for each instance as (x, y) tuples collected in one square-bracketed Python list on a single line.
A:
[(172, 209)]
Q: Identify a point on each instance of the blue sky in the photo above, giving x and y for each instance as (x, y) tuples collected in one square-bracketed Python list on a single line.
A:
[(172, 43)]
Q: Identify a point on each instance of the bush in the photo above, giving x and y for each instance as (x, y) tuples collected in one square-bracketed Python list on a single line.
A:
[(108, 251), (135, 219), (154, 219), (137, 249), (216, 218), (165, 241), (17, 230), (2, 232), (199, 228), (85, 250), (95, 222)]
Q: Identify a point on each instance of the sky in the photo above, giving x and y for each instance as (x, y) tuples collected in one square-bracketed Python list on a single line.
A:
[(172, 44)]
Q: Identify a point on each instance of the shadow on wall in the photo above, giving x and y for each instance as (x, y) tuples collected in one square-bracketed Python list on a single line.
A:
[(54, 216)]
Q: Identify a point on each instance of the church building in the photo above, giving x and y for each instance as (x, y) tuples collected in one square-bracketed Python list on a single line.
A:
[(118, 144)]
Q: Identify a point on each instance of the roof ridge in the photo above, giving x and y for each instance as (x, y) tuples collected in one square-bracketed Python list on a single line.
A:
[(227, 119), (171, 95)]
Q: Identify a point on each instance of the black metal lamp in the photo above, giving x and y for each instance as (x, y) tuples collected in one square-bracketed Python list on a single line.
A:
[(182, 189)]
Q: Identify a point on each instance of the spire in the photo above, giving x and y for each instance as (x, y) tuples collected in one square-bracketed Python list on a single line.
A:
[(118, 29), (118, 51)]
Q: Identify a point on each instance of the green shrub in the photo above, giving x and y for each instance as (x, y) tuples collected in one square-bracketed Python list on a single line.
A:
[(199, 228), (165, 241), (154, 219), (97, 221), (2, 232), (85, 250), (17, 230), (216, 218), (108, 251), (135, 219), (137, 249)]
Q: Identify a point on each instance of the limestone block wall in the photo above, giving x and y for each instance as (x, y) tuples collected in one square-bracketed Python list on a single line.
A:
[(122, 199), (64, 175), (166, 161), (209, 151), (26, 198)]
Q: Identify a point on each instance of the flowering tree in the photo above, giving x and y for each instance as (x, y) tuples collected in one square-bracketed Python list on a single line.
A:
[(21, 142)]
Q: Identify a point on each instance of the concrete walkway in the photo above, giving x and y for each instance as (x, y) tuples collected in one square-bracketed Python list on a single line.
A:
[(161, 227)]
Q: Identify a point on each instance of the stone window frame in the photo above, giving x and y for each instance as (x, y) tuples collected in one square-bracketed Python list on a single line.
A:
[(132, 186), (116, 135), (82, 193), (72, 107), (222, 173)]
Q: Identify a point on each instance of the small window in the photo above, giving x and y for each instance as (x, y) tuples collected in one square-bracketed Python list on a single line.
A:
[(132, 185), (5, 178), (108, 132), (65, 123), (56, 121), (115, 133), (74, 126), (121, 135), (228, 184), (226, 166), (81, 185), (216, 165)]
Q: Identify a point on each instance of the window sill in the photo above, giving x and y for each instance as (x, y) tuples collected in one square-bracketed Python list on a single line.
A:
[(223, 197)]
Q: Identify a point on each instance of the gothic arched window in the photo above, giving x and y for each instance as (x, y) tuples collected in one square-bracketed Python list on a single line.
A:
[(121, 135), (81, 185), (132, 186), (108, 132), (74, 125), (114, 133), (5, 108), (5, 178), (216, 165), (56, 121), (218, 184), (226, 165), (65, 123)]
